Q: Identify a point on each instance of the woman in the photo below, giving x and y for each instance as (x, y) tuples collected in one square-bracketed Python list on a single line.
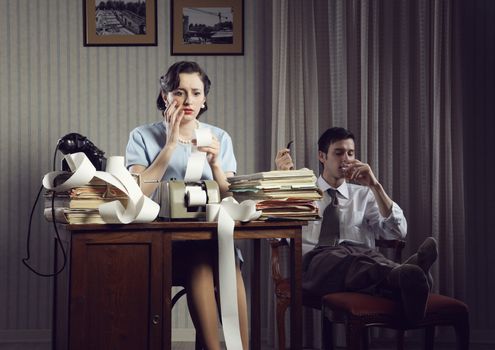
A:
[(160, 151)]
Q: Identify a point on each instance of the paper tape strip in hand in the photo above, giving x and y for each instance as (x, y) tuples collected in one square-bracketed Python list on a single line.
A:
[(197, 159)]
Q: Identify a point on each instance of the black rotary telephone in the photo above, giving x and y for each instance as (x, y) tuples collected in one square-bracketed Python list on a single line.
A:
[(74, 142)]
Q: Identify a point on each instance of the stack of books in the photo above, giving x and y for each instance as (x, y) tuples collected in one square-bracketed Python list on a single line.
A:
[(281, 194), (79, 205)]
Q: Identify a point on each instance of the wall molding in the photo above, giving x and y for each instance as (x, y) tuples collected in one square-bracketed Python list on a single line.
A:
[(483, 336), (25, 336), (44, 336)]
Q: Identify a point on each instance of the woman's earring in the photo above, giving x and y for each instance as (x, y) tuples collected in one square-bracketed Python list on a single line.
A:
[(203, 105)]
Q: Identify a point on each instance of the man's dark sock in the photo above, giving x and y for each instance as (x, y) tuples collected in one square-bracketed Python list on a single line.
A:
[(413, 259), (425, 257)]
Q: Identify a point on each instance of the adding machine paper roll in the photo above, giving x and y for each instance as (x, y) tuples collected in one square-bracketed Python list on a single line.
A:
[(195, 196), (139, 208)]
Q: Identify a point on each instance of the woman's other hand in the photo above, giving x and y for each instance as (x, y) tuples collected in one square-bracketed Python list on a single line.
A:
[(212, 151)]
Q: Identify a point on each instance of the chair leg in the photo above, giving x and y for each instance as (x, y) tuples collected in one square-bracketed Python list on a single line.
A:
[(354, 335), (326, 331), (462, 334), (400, 340), (429, 337), (282, 305), (366, 338)]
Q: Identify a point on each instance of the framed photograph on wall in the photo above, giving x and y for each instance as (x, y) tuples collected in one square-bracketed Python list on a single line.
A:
[(207, 27), (119, 23)]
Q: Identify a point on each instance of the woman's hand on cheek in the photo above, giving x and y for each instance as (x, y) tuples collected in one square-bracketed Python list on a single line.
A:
[(173, 117)]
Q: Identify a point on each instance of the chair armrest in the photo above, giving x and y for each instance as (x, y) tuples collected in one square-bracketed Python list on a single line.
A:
[(396, 244)]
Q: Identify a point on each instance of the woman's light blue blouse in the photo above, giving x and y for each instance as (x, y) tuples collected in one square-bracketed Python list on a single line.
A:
[(146, 141)]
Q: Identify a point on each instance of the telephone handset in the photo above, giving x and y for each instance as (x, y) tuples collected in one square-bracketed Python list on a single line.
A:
[(74, 142)]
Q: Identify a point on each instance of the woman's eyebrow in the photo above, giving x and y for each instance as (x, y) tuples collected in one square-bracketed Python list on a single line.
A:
[(184, 89)]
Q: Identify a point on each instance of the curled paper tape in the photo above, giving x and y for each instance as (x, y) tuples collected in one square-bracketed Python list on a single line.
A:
[(245, 211), (226, 213), (212, 211), (139, 207), (82, 172)]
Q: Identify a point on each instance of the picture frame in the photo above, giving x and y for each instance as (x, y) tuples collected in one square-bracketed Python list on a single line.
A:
[(207, 27), (120, 23)]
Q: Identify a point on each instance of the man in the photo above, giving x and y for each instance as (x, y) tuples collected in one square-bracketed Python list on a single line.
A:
[(339, 252)]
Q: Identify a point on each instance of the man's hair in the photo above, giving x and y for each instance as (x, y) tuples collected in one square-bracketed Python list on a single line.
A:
[(171, 80), (333, 135)]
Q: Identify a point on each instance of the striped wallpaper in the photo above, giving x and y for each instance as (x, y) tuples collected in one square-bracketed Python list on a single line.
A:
[(50, 85)]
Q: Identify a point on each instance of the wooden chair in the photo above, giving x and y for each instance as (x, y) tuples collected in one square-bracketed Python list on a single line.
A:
[(175, 299), (360, 311)]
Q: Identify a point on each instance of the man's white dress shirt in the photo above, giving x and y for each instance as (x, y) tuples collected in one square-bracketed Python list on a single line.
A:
[(360, 218)]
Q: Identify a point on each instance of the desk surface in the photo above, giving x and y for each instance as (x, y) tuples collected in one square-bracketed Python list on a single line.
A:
[(178, 225), (191, 230)]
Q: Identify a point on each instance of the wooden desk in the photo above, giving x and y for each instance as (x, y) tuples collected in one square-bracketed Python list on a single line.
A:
[(115, 292)]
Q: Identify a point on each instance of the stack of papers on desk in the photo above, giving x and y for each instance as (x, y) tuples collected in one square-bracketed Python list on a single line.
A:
[(79, 205), (287, 194)]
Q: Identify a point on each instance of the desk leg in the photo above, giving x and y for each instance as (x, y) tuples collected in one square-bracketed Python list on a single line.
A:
[(167, 291), (255, 297), (296, 293)]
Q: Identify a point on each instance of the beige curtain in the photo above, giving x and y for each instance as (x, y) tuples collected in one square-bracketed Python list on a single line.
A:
[(294, 104), (385, 69)]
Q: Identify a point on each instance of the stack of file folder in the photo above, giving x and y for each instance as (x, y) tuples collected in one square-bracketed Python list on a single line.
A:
[(79, 205), (281, 194)]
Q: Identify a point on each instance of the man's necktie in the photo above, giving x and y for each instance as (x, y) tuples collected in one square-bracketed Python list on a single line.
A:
[(330, 225)]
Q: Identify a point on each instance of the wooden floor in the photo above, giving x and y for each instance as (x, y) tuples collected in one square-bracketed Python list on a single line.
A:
[(190, 346)]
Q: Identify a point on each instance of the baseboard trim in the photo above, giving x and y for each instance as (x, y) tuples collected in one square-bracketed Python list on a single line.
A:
[(483, 337), (26, 336), (183, 334), (39, 336), (186, 335)]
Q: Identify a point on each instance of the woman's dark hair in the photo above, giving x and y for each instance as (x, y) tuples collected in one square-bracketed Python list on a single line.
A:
[(171, 80), (333, 135)]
